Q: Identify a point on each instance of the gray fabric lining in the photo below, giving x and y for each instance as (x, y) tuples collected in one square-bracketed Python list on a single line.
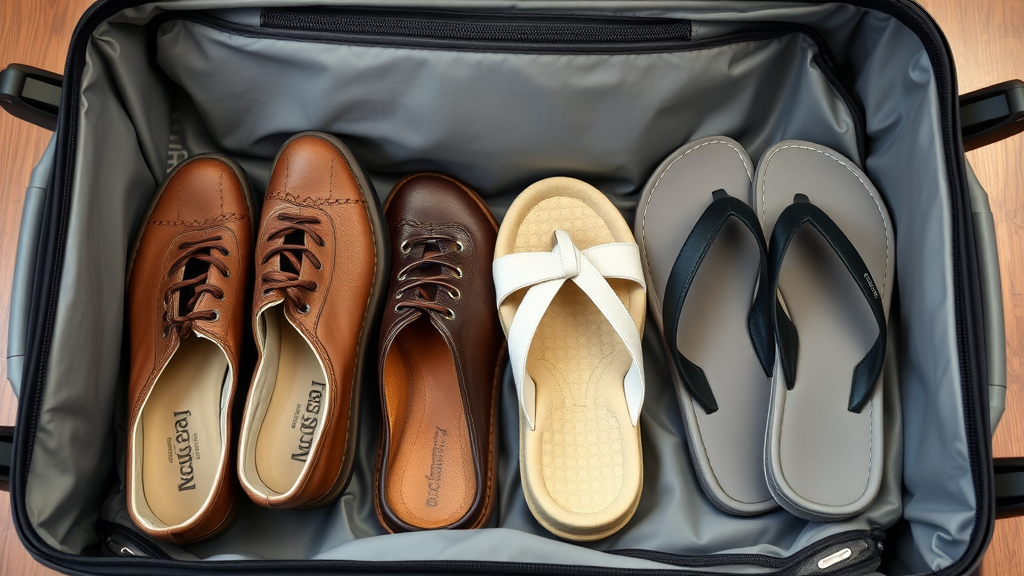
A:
[(404, 110)]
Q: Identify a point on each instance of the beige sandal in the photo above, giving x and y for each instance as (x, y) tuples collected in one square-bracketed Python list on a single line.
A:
[(574, 348)]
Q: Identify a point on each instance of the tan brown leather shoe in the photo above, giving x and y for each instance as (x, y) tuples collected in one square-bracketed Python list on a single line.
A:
[(321, 260), (187, 290), (441, 359)]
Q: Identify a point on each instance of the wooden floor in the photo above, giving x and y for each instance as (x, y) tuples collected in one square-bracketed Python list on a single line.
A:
[(988, 43)]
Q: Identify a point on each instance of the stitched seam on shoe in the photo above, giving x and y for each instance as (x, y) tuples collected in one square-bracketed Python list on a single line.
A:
[(643, 239), (643, 222), (366, 305), (221, 219), (878, 201), (310, 201), (871, 424)]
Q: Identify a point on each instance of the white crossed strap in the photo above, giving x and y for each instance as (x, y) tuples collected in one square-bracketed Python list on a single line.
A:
[(544, 273)]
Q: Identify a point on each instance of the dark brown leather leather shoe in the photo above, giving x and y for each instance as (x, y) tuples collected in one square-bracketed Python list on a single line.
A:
[(187, 290), (321, 262), (441, 358)]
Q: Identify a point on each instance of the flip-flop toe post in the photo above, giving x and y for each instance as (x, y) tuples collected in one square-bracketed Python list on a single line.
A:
[(705, 261), (831, 252), (571, 299)]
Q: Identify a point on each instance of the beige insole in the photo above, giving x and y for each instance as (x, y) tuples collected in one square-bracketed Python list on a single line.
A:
[(181, 433), (582, 465), (294, 417), (431, 481)]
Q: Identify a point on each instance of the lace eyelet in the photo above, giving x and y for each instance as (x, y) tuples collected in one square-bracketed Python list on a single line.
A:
[(216, 316), (456, 295), (405, 248), (396, 308), (402, 277), (450, 315), (458, 272), (315, 287), (164, 335), (227, 274), (304, 309), (461, 246), (227, 252)]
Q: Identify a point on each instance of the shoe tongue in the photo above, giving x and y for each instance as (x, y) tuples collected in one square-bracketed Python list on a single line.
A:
[(297, 238), (193, 269), (428, 292)]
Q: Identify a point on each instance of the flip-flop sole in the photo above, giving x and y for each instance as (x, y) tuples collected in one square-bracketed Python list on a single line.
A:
[(726, 446), (582, 468), (824, 462)]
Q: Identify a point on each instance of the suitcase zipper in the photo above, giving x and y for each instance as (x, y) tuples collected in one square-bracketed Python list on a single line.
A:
[(47, 282), (123, 541), (486, 28), (834, 554)]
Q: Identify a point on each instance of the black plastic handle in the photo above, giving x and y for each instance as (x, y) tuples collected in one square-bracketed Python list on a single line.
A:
[(6, 455), (992, 114), (1009, 475), (31, 94)]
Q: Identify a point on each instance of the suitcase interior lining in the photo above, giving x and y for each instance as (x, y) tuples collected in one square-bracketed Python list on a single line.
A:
[(499, 122)]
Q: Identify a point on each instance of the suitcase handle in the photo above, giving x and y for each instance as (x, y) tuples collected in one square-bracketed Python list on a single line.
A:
[(6, 456), (31, 94), (992, 114), (1009, 481)]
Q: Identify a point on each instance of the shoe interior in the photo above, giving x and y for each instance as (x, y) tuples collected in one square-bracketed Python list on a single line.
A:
[(431, 481), (181, 425)]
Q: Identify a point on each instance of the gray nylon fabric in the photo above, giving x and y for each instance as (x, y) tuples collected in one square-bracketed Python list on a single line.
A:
[(212, 91)]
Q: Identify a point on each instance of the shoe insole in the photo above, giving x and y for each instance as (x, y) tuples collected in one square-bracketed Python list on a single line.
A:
[(297, 405), (582, 467), (713, 333), (181, 431), (578, 363), (825, 448), (822, 459), (726, 446), (431, 481)]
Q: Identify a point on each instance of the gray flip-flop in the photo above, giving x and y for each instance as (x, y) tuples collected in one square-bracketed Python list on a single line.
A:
[(832, 251), (704, 255)]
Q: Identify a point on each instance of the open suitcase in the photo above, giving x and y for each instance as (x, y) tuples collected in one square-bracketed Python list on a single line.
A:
[(500, 94)]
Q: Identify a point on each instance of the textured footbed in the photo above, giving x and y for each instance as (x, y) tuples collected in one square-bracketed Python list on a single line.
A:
[(431, 481), (823, 461), (181, 432), (292, 422), (581, 466), (726, 446)]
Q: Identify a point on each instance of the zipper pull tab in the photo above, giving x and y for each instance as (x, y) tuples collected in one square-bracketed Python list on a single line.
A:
[(118, 546), (851, 557)]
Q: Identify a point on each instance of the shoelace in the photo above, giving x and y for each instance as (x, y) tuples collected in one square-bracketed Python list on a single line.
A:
[(202, 251), (415, 293), (287, 281)]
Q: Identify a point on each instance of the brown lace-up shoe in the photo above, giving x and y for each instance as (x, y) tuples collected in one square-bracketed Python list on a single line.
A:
[(187, 290), (321, 259), (441, 350)]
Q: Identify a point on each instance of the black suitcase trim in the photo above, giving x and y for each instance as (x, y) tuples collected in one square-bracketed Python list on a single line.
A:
[(46, 284)]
